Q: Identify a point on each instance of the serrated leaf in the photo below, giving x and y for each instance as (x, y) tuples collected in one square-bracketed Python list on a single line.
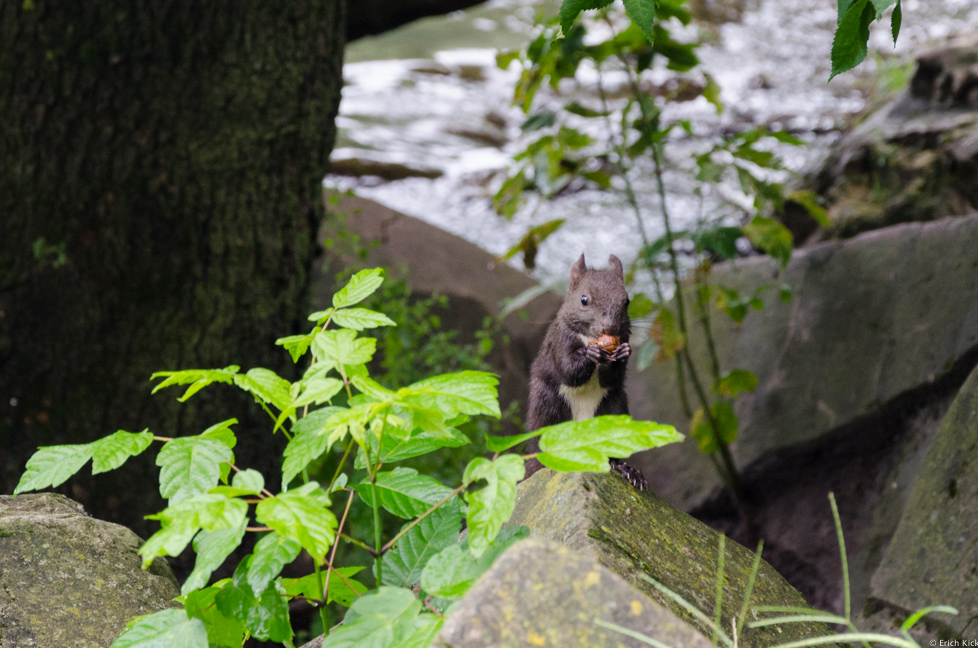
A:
[(504, 443), (342, 347), (213, 548), (310, 440), (404, 562), (771, 236), (736, 381), (359, 319), (181, 522), (296, 345), (465, 392), (451, 572), (587, 445), (249, 481), (809, 201), (52, 465), (491, 506), (424, 631), (317, 391), (642, 12), (895, 21), (301, 514), (266, 616), (849, 45), (382, 618), (222, 432), (112, 451), (190, 466), (222, 631), (570, 9), (360, 286), (339, 591), (266, 386), (164, 629), (403, 492), (419, 442), (273, 552), (196, 378), (371, 388)]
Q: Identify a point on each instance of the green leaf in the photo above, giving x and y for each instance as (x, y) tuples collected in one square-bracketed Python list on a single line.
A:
[(317, 391), (301, 514), (222, 432), (311, 439), (504, 443), (213, 548), (53, 465), (190, 466), (538, 121), (382, 618), (424, 631), (570, 9), (491, 506), (419, 442), (249, 481), (361, 318), (360, 286), (112, 451), (736, 381), (196, 378), (642, 12), (809, 201), (771, 236), (849, 45), (222, 631), (404, 562), (587, 445), (726, 422), (164, 629), (339, 592), (271, 554), (465, 392), (266, 386), (180, 523), (266, 616), (895, 21), (403, 492), (667, 335), (297, 345), (881, 6), (341, 348), (451, 572)]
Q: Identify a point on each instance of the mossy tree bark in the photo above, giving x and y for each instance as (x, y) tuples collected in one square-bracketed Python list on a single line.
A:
[(160, 187)]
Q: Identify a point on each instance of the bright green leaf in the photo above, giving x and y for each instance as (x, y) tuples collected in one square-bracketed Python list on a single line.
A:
[(504, 443), (465, 392), (382, 618), (809, 201), (266, 386), (491, 506), (404, 562), (570, 9), (361, 318), (164, 629), (271, 554), (196, 378), (222, 631), (642, 12), (419, 442), (52, 465), (587, 445), (297, 345), (403, 492), (342, 347), (249, 481), (112, 451), (301, 514), (266, 616), (771, 236), (339, 590), (736, 381), (213, 548), (451, 572), (190, 466), (360, 286)]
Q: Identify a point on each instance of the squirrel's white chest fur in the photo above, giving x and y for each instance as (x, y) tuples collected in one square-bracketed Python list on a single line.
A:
[(584, 400)]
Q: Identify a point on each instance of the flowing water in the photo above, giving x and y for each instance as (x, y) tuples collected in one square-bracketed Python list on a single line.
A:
[(429, 96)]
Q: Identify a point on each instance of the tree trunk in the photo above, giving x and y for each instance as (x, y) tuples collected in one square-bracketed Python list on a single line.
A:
[(160, 189)]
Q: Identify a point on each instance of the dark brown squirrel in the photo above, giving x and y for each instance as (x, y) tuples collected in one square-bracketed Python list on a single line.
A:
[(573, 377)]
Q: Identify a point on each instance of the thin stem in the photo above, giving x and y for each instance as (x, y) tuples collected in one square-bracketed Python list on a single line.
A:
[(434, 508), (324, 587), (360, 543), (704, 310), (339, 468), (427, 604), (375, 504)]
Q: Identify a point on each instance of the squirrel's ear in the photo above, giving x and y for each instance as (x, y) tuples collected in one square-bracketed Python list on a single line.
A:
[(615, 264), (577, 271)]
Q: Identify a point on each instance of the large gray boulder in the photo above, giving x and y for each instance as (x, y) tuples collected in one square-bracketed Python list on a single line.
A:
[(539, 593), (873, 321), (933, 556), (636, 534), (67, 579)]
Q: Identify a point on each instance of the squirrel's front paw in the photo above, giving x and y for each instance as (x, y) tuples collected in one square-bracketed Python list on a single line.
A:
[(597, 354), (632, 475), (623, 351)]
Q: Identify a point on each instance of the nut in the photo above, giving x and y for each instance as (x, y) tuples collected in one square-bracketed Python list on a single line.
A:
[(609, 342)]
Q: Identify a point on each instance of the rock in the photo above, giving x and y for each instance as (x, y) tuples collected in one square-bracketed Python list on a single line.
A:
[(433, 261), (933, 556), (385, 169), (67, 579), (914, 159), (635, 533), (539, 593), (873, 321), (377, 16)]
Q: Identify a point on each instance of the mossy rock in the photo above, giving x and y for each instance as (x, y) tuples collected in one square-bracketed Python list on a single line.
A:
[(67, 579), (933, 556), (539, 593), (636, 534)]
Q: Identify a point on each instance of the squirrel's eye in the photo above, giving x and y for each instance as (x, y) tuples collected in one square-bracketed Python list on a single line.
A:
[(584, 300)]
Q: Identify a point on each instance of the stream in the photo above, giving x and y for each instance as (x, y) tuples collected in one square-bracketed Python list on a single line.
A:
[(429, 99)]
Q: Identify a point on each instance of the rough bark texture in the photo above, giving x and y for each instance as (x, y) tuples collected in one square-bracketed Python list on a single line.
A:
[(368, 17), (161, 185)]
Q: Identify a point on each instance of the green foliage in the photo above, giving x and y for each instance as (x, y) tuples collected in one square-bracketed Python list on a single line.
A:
[(335, 408), (851, 36)]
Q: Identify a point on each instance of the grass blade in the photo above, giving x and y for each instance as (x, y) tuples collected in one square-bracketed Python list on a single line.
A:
[(689, 607), (628, 632), (750, 587), (847, 603)]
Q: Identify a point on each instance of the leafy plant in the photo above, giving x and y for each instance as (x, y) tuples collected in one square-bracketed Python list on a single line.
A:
[(213, 503)]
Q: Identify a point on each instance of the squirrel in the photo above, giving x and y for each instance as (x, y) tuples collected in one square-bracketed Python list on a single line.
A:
[(579, 372)]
